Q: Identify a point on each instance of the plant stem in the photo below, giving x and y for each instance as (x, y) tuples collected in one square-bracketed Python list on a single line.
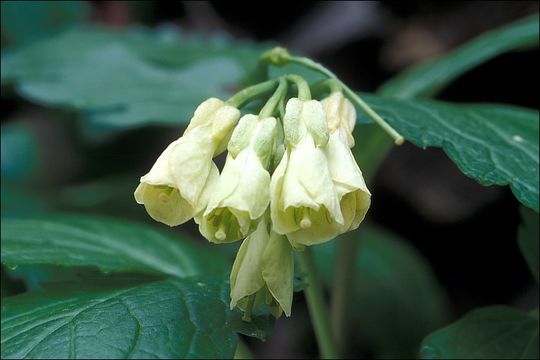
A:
[(247, 94), (270, 106), (303, 87), (343, 284), (243, 351), (317, 308), (280, 56)]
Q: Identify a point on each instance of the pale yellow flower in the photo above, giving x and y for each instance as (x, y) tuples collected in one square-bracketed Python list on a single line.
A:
[(172, 191), (317, 190), (243, 191)]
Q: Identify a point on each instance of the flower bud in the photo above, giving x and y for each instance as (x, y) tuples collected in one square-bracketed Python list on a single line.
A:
[(340, 113), (264, 261), (174, 189), (243, 191)]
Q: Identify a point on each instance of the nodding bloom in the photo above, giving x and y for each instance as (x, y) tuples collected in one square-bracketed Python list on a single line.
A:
[(317, 190), (349, 183), (263, 271), (173, 191), (242, 193)]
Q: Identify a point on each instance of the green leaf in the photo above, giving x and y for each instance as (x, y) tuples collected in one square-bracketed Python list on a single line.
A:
[(493, 144), (495, 332), (20, 152), (20, 202), (27, 21), (169, 319), (396, 298), (110, 245), (119, 79), (528, 237), (427, 79)]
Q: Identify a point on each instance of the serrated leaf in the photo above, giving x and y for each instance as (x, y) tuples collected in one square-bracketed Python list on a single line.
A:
[(493, 144), (495, 332), (528, 238), (119, 79), (427, 79), (396, 298), (110, 245), (168, 319)]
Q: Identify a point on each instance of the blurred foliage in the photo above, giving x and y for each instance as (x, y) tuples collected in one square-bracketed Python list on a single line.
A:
[(528, 238), (396, 299), (495, 332), (27, 21)]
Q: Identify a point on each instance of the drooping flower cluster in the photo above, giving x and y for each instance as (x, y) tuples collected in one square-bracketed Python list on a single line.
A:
[(287, 183)]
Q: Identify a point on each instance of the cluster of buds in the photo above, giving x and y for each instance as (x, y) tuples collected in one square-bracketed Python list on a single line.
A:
[(289, 181)]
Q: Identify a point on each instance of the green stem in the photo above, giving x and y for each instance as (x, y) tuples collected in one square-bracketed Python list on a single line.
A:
[(280, 56), (317, 308), (272, 103), (247, 94), (243, 351), (343, 284), (303, 87)]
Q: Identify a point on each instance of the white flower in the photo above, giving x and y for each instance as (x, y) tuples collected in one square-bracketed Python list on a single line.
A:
[(172, 191), (243, 191)]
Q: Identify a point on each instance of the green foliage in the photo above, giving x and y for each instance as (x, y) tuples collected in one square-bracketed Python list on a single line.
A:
[(495, 332), (20, 152), (493, 144), (528, 237), (27, 21), (120, 79), (429, 78), (108, 244), (166, 319), (396, 298)]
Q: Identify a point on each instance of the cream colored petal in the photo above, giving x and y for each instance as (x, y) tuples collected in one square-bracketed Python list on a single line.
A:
[(314, 117), (343, 167), (208, 189), (278, 270), (164, 204), (203, 112), (222, 225), (252, 193), (160, 173), (293, 126), (282, 222), (312, 169), (223, 122), (190, 161), (323, 228), (355, 207), (246, 274), (242, 134)]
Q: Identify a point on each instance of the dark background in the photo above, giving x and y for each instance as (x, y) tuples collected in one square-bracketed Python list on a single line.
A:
[(466, 231)]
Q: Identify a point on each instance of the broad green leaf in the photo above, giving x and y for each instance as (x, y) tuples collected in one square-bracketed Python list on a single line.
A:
[(110, 245), (185, 318), (495, 332), (396, 298), (120, 79), (528, 237), (27, 21), (20, 202), (493, 144), (427, 79)]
